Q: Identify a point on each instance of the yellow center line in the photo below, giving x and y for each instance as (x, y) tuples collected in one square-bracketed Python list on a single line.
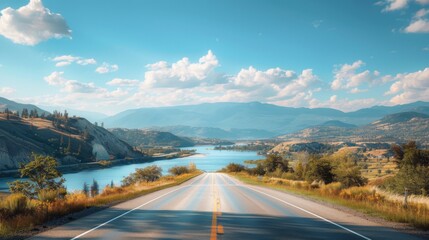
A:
[(213, 234), (216, 229)]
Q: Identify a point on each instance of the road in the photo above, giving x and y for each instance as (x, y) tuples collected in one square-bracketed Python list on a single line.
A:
[(216, 206)]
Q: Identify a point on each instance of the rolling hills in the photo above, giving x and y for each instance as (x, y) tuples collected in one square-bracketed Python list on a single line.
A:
[(398, 127)]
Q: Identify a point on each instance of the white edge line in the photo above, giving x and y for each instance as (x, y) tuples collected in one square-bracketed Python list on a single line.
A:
[(302, 209), (123, 214)]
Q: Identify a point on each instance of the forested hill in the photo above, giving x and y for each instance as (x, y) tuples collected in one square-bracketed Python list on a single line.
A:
[(69, 139)]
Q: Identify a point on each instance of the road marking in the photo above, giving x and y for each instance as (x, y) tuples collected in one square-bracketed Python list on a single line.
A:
[(302, 209), (213, 232), (123, 214)]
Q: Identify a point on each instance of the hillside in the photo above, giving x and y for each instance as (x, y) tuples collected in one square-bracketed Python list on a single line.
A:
[(73, 141), (398, 127), (148, 138), (248, 120), (18, 107)]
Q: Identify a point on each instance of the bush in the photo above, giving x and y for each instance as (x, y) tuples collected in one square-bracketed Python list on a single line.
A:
[(15, 204), (147, 174), (178, 170), (50, 195), (234, 167)]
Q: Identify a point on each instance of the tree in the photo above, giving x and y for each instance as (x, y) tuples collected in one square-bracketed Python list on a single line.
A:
[(274, 162), (234, 167), (147, 174), (413, 171), (348, 174), (178, 170), (85, 189), (320, 169), (299, 171), (95, 189), (42, 174)]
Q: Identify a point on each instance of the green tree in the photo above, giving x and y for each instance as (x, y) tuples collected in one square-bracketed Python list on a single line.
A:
[(95, 188), (85, 189), (320, 169), (274, 162), (147, 174), (42, 174)]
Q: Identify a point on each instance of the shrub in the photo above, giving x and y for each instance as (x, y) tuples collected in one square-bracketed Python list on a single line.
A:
[(178, 170), (234, 167), (50, 195), (147, 174), (15, 204)]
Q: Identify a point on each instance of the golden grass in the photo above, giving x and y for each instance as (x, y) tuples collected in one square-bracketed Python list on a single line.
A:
[(18, 216), (367, 199)]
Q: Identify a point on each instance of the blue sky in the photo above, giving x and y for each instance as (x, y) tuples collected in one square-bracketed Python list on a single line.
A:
[(108, 56)]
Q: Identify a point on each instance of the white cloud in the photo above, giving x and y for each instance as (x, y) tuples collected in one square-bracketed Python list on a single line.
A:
[(419, 23), (418, 26), (409, 87), (31, 24), (348, 77), (57, 79), (6, 90), (182, 74), (393, 5), (123, 82), (66, 60), (106, 68)]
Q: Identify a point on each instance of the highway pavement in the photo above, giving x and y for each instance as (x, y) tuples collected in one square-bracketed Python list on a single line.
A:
[(216, 206)]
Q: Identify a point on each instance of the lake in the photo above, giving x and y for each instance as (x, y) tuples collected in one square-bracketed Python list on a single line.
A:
[(206, 159)]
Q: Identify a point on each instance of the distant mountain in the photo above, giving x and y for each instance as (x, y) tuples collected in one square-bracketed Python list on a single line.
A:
[(248, 120), (401, 117), (336, 123), (398, 127), (71, 142), (147, 138), (216, 133), (17, 107)]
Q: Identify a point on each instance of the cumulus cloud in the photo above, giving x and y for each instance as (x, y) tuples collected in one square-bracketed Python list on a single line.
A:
[(393, 5), (32, 24), (66, 60), (106, 68), (181, 74), (123, 82), (347, 76), (418, 26), (57, 79), (6, 90), (409, 87)]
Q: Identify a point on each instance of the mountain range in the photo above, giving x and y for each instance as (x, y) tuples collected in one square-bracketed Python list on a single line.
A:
[(251, 120), (398, 127)]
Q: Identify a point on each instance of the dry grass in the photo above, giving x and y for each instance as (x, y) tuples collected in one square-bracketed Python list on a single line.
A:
[(18, 214), (367, 199)]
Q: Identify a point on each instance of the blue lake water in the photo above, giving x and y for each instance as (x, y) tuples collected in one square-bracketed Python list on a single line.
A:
[(207, 159)]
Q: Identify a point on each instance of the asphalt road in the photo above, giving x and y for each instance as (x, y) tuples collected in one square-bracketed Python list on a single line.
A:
[(216, 206)]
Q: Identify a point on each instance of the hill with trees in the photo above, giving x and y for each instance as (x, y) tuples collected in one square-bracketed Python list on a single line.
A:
[(398, 127), (147, 138), (71, 140)]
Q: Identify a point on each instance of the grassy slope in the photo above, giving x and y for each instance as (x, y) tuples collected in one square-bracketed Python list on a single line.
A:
[(360, 199)]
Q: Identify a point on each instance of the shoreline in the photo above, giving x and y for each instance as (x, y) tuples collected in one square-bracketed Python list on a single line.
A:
[(73, 168)]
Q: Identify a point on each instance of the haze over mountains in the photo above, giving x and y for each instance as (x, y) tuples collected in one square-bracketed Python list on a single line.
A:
[(248, 120), (242, 120)]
